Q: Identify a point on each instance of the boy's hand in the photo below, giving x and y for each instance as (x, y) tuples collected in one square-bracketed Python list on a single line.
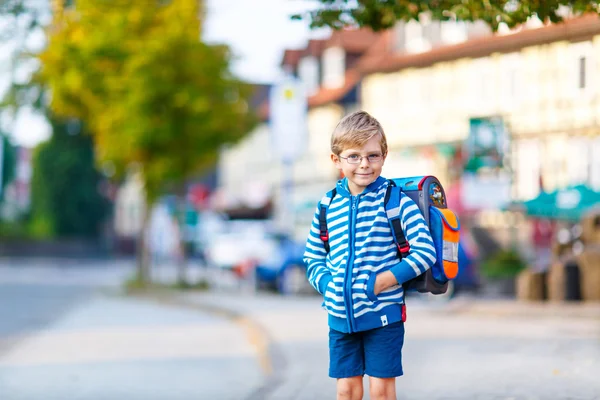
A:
[(383, 281)]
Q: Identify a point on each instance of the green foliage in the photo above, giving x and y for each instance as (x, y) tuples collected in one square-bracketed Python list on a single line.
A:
[(383, 14), (136, 285), (503, 264), (199, 285), (65, 185), (9, 163), (41, 225), (150, 92), (14, 230)]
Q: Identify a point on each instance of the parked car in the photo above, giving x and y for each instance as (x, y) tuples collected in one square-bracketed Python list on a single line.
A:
[(237, 242), (284, 270)]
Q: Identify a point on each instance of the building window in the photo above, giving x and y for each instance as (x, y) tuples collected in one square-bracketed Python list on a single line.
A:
[(511, 81), (308, 69), (581, 72), (527, 171), (578, 151), (594, 164), (581, 77), (334, 67)]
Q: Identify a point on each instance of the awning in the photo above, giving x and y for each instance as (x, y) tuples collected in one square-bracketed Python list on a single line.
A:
[(565, 204)]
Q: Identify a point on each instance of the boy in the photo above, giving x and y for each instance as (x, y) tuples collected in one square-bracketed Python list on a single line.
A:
[(361, 275)]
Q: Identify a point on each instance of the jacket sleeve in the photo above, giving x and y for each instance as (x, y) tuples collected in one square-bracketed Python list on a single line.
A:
[(422, 254), (315, 257)]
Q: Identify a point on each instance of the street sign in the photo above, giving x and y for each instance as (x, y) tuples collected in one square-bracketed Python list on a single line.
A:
[(486, 144), (288, 122)]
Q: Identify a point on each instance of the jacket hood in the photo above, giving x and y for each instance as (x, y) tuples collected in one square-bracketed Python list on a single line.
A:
[(342, 186)]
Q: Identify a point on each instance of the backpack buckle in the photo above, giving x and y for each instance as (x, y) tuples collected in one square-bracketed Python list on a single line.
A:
[(325, 236), (404, 249)]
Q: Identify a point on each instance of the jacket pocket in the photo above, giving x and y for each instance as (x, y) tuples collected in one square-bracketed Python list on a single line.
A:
[(392, 294), (371, 288), (332, 299)]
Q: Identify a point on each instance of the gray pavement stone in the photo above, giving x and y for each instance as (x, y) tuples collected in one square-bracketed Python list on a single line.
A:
[(464, 349), (468, 348), (88, 345), (214, 378)]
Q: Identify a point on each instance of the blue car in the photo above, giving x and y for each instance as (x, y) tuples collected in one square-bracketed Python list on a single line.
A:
[(284, 271)]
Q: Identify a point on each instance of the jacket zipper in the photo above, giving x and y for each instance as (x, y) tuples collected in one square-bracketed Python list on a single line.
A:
[(350, 267)]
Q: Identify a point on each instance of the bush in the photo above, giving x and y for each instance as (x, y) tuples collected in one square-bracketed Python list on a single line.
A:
[(14, 230), (503, 264)]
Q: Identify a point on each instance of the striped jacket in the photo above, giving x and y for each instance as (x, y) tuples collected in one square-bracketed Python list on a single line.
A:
[(361, 246)]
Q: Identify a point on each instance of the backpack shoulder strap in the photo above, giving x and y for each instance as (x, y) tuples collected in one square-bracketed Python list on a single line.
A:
[(323, 232), (392, 209)]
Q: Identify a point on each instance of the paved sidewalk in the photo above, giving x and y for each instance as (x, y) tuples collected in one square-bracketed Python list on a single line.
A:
[(115, 348), (465, 349)]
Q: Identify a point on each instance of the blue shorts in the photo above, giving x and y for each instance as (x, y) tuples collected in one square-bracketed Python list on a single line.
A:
[(376, 352)]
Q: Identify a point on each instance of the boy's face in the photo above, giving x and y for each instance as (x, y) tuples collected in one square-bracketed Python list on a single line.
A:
[(365, 172)]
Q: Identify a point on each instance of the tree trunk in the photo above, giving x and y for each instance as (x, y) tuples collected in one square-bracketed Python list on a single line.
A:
[(182, 265), (143, 255), (181, 250)]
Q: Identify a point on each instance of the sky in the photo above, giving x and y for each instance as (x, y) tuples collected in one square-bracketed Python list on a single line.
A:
[(257, 31)]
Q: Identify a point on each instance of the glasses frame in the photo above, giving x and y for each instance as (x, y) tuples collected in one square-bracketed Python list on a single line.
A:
[(360, 159)]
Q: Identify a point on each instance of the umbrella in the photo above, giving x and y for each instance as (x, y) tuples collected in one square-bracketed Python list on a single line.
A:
[(567, 204)]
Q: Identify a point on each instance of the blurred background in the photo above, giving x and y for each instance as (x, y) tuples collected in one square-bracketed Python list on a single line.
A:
[(177, 149)]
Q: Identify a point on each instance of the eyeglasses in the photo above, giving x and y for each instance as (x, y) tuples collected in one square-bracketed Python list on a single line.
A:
[(356, 159)]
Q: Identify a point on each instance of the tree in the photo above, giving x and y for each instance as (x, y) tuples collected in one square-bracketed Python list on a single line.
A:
[(66, 198), (152, 94), (383, 14)]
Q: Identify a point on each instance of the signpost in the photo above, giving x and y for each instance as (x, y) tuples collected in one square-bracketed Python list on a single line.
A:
[(487, 144), (487, 178), (486, 182), (287, 111), (288, 122)]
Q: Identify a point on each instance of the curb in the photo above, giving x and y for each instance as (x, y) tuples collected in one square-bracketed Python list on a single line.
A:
[(270, 356)]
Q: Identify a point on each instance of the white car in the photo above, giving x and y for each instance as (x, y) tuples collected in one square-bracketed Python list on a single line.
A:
[(241, 242)]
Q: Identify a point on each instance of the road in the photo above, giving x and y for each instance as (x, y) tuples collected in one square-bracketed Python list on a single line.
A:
[(66, 332)]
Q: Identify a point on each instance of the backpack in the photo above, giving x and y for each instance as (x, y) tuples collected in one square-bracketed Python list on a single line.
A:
[(427, 192)]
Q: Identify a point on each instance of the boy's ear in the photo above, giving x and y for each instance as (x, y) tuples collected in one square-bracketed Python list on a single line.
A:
[(336, 160)]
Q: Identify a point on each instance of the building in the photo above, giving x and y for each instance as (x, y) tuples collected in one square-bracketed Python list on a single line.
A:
[(427, 82), (541, 81)]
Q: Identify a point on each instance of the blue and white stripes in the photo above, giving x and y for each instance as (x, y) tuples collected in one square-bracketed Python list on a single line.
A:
[(362, 245)]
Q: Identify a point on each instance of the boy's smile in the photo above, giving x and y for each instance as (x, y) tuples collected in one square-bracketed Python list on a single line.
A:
[(364, 172)]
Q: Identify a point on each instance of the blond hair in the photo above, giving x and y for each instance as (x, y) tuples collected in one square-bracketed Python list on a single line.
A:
[(356, 129)]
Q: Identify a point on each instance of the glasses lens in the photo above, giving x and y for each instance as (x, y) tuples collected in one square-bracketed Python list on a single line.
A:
[(354, 159), (374, 158)]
